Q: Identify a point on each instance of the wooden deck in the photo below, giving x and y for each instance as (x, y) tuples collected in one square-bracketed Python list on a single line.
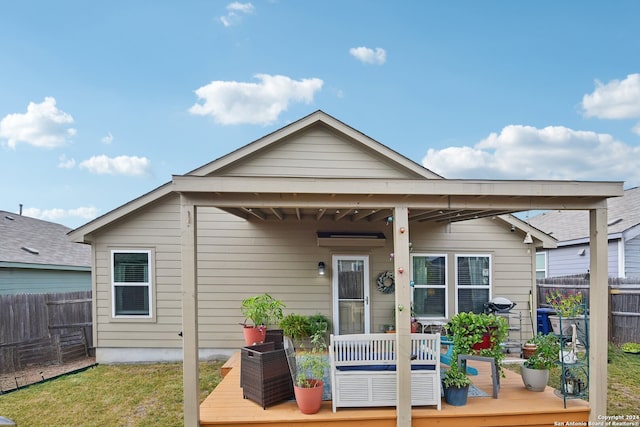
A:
[(515, 406)]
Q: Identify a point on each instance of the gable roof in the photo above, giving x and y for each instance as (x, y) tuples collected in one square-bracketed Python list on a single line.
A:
[(30, 242), (623, 214), (317, 118)]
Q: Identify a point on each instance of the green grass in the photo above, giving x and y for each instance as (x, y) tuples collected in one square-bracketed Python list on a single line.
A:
[(108, 395), (623, 390)]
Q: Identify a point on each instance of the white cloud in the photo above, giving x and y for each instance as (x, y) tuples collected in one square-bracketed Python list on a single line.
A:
[(232, 103), (121, 165), (56, 215), (108, 139), (235, 11), (43, 125), (369, 56), (618, 99), (526, 152), (65, 163)]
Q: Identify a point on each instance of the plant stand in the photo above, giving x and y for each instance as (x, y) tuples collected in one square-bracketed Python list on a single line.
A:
[(495, 375), (574, 377)]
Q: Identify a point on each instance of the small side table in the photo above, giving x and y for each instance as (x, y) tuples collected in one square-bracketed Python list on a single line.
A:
[(495, 376)]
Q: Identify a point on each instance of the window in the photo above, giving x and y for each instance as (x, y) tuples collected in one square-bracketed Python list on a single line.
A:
[(473, 282), (131, 283), (429, 273), (541, 265)]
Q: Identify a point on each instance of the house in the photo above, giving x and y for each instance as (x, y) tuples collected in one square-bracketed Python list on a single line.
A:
[(36, 256), (571, 230), (172, 266)]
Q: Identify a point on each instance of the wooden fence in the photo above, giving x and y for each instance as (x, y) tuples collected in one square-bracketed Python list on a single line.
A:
[(44, 329), (624, 303)]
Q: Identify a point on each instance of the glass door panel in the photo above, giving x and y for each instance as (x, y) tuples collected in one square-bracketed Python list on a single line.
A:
[(351, 294)]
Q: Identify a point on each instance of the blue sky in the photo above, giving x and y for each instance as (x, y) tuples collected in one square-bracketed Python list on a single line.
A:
[(101, 102)]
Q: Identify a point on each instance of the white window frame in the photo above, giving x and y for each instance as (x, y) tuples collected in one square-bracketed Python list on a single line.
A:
[(445, 286), (489, 285), (115, 284), (546, 260)]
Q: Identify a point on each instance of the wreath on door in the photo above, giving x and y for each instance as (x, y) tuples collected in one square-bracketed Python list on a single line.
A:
[(385, 282)]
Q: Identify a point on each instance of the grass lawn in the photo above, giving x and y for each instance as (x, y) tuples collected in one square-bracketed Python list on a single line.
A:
[(108, 395)]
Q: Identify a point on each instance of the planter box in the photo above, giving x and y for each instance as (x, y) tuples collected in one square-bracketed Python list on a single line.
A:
[(264, 374), (581, 327)]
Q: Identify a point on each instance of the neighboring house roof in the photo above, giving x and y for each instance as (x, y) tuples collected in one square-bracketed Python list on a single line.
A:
[(569, 226), (33, 243)]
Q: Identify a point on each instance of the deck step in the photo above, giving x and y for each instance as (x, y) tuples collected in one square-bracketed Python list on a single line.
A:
[(232, 362)]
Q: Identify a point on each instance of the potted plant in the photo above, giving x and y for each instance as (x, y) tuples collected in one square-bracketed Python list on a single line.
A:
[(569, 308), (535, 370), (301, 328), (295, 326), (456, 384), (415, 325), (261, 310), (478, 334), (308, 381)]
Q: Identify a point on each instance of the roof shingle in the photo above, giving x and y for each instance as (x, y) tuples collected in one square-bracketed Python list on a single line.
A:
[(623, 213), (44, 243)]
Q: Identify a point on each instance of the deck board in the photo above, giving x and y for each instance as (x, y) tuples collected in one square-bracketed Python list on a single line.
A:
[(515, 406)]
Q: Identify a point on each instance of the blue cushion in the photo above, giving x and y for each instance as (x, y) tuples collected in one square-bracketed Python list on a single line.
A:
[(384, 368)]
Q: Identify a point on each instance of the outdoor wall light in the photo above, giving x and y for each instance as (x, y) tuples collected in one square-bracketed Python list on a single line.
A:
[(527, 239), (321, 269)]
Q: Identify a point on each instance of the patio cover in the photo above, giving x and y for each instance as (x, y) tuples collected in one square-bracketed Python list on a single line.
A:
[(406, 200)]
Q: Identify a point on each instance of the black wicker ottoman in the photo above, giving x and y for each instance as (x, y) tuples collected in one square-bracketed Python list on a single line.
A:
[(264, 374)]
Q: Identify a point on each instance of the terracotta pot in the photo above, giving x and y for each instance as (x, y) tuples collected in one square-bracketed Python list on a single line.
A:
[(309, 399), (528, 350), (414, 327), (254, 335)]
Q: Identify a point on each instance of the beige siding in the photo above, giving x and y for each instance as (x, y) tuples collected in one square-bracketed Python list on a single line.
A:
[(511, 259), (156, 229), (317, 152), (238, 258)]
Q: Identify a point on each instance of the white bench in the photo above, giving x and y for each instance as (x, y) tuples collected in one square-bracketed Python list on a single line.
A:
[(363, 370)]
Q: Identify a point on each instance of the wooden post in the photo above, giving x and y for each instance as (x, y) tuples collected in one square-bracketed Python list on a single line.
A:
[(402, 274), (599, 313), (190, 366)]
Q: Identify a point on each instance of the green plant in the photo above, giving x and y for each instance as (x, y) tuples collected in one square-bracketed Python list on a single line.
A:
[(298, 326), (565, 305), (468, 329), (319, 323), (546, 353), (631, 347), (454, 377), (262, 310), (311, 364), (295, 326)]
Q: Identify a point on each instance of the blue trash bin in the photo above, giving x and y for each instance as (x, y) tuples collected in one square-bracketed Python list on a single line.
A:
[(544, 324)]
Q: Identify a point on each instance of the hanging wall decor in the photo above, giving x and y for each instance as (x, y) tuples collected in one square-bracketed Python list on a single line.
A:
[(385, 282)]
